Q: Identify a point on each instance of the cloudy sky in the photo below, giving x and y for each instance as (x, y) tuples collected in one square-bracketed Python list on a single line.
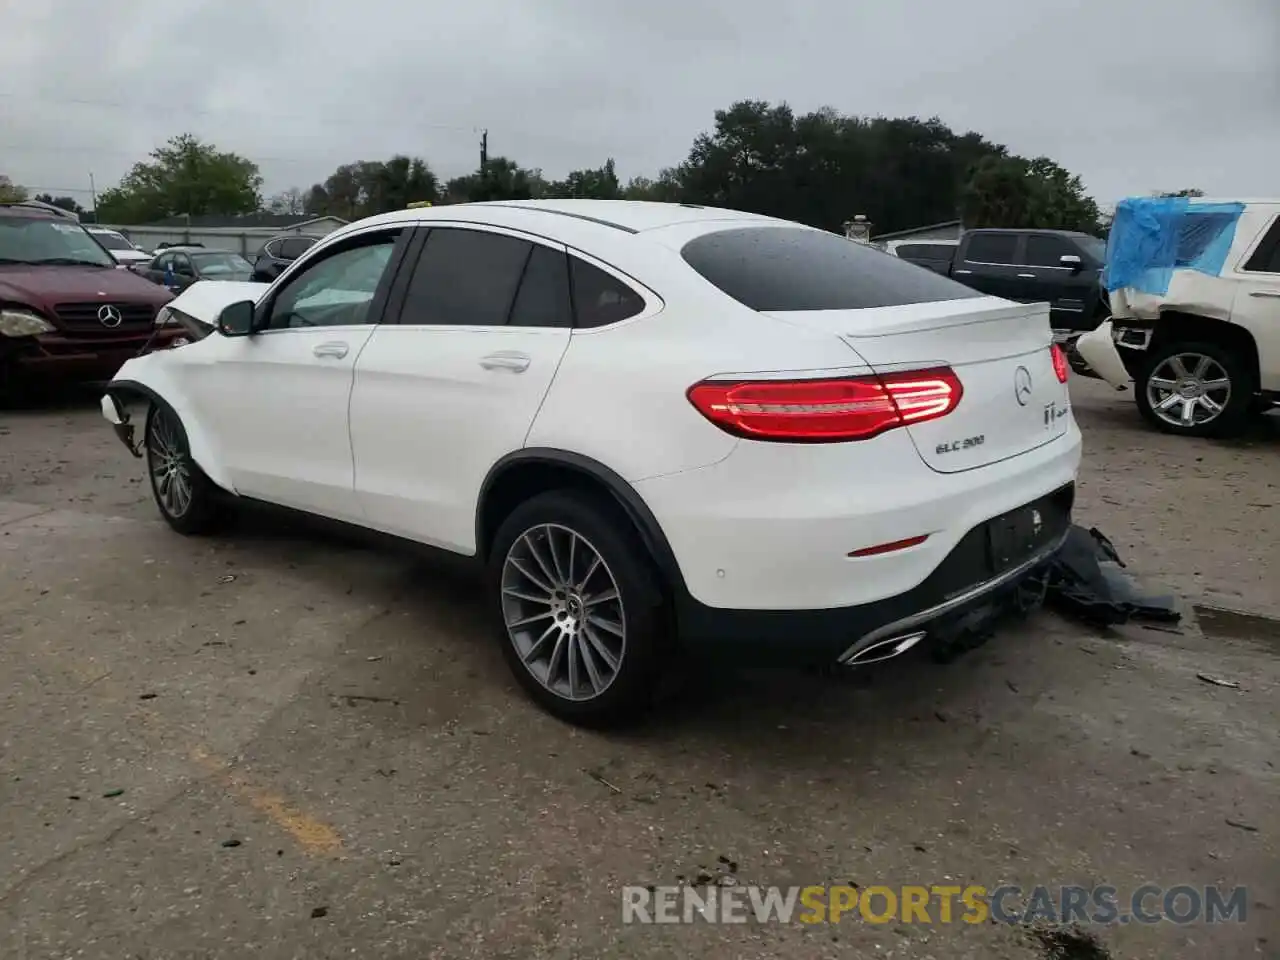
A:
[(1134, 95)]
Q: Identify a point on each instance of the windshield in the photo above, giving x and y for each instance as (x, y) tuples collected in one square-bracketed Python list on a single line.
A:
[(1093, 247), (220, 264), (112, 241), (55, 242)]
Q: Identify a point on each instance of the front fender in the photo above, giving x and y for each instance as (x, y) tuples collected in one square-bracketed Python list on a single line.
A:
[(156, 378)]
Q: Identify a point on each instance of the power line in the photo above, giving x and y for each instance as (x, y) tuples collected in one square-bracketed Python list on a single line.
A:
[(191, 111)]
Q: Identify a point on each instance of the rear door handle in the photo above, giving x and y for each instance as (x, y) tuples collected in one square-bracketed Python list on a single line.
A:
[(1265, 293), (335, 348), (1026, 276), (515, 362)]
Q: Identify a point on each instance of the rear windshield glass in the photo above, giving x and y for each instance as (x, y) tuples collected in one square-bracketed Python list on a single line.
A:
[(791, 268), (112, 241)]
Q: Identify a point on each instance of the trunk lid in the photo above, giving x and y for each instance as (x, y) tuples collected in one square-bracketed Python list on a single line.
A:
[(1012, 400)]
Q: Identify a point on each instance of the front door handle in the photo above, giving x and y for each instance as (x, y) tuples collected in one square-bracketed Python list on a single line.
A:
[(515, 362), (336, 349), (1265, 293), (958, 273), (1026, 276)]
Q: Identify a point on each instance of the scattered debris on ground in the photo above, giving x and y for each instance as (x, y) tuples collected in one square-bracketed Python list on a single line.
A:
[(1217, 681)]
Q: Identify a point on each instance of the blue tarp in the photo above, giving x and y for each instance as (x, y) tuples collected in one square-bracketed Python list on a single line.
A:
[(1151, 237)]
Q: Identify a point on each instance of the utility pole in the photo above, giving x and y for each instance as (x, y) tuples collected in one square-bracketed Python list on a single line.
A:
[(93, 193), (484, 148)]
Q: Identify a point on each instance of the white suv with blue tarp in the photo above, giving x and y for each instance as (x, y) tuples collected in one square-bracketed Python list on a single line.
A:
[(1194, 286)]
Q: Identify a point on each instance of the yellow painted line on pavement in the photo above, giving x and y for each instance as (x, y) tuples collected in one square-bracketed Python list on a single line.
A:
[(316, 837)]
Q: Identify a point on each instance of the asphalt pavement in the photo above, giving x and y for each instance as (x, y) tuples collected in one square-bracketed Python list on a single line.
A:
[(286, 744)]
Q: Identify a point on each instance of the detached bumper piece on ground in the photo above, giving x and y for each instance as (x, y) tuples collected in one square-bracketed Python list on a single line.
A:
[(1087, 581)]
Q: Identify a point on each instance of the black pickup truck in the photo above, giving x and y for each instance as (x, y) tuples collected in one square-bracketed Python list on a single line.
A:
[(1034, 266)]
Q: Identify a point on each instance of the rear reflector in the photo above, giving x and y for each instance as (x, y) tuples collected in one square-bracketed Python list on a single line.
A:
[(1061, 367), (830, 410), (890, 547)]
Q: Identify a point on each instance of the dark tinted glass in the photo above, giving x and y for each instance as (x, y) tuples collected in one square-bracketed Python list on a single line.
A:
[(926, 251), (598, 298), (293, 248), (1046, 251), (1266, 259), (992, 248), (791, 268), (543, 298), (465, 278)]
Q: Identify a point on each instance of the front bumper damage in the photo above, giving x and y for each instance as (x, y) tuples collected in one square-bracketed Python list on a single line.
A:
[(117, 414)]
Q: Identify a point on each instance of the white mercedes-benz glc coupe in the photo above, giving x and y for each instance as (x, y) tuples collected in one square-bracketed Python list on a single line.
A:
[(662, 429)]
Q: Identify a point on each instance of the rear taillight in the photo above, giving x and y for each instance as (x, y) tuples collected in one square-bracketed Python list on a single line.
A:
[(828, 410), (1060, 366)]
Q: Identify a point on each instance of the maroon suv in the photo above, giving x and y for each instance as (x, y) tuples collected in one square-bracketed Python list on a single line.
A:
[(66, 311)]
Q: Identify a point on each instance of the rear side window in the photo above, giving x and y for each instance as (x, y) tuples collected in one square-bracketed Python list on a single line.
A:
[(543, 297), (465, 278), (992, 248), (926, 251), (791, 268), (1266, 259), (293, 248), (599, 298)]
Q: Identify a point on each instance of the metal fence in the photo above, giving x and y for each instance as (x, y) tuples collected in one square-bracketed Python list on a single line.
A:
[(246, 241)]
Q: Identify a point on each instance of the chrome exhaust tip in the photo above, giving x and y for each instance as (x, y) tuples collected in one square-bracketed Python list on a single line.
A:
[(879, 650)]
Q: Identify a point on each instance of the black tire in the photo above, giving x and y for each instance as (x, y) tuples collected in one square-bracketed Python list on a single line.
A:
[(641, 610), (1234, 416), (205, 509)]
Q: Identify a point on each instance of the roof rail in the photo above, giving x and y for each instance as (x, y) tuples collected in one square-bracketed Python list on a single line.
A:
[(42, 206)]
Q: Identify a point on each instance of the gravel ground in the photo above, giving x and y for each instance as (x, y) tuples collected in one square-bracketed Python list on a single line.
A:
[(283, 744)]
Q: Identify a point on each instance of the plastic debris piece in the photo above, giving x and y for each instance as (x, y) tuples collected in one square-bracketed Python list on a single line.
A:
[(1087, 580), (113, 793), (1217, 681)]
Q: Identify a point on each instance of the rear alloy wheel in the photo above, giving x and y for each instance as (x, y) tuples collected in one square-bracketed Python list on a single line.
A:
[(580, 608), (1195, 389), (188, 500)]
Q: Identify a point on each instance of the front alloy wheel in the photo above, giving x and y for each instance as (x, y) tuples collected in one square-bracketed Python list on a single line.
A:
[(188, 500), (563, 612), (167, 461)]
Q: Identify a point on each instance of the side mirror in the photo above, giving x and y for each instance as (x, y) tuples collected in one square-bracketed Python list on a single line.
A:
[(236, 319), (1071, 262)]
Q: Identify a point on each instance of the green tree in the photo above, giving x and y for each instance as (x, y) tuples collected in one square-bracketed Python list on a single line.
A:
[(1010, 191), (63, 203), (823, 168), (498, 179), (11, 192), (366, 187), (665, 189), (599, 184), (1187, 192), (185, 176)]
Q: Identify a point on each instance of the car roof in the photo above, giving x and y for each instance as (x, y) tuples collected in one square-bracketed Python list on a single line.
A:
[(626, 216)]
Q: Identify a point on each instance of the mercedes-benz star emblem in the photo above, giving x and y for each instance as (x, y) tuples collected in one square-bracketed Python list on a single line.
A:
[(1022, 386), (110, 316), (1037, 524)]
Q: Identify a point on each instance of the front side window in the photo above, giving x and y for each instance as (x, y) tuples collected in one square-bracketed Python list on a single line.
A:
[(35, 240), (1047, 251), (465, 278), (336, 290)]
